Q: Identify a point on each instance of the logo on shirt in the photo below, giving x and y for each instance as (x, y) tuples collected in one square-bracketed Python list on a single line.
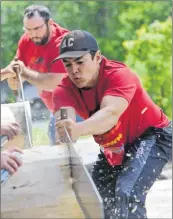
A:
[(113, 142), (39, 60)]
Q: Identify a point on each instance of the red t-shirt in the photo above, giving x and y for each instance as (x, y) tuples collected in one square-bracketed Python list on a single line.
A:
[(40, 57), (115, 79)]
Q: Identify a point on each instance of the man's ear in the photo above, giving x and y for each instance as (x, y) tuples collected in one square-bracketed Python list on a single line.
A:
[(50, 21), (98, 56)]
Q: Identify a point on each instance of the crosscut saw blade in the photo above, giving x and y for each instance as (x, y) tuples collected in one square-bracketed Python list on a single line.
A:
[(85, 190), (20, 93)]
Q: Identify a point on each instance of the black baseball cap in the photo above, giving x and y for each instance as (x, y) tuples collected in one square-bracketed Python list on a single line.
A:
[(77, 43)]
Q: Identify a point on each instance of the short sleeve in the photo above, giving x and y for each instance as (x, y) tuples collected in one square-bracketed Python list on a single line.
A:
[(122, 83)]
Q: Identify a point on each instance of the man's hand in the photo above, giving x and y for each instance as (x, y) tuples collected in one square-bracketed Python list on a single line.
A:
[(7, 72), (9, 161), (13, 83), (13, 69), (10, 130), (71, 127), (18, 67)]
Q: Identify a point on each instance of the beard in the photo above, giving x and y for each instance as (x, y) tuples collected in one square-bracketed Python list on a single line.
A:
[(44, 39)]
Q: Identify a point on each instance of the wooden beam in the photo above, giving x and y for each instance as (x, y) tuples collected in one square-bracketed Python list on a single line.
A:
[(41, 188)]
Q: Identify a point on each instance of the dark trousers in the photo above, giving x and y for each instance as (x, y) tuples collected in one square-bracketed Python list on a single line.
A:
[(124, 188)]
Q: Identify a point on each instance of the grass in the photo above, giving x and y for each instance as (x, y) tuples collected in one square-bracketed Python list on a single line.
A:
[(85, 137), (40, 137)]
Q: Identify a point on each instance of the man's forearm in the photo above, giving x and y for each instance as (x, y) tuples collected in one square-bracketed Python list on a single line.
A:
[(101, 122), (44, 81)]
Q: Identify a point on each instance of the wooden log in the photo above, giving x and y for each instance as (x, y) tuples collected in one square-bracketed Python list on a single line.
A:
[(41, 188)]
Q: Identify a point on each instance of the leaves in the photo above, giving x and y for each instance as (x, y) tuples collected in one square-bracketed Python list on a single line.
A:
[(153, 48), (138, 32)]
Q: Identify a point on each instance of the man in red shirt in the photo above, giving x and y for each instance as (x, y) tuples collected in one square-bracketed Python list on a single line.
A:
[(134, 135), (37, 48)]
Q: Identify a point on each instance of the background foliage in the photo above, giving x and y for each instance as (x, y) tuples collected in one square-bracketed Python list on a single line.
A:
[(138, 33)]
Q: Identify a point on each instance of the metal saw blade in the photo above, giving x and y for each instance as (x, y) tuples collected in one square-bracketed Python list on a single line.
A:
[(85, 190)]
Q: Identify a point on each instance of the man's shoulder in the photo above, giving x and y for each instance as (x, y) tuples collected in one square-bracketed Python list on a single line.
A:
[(59, 29), (113, 66), (112, 70), (24, 41), (115, 69), (58, 33), (25, 38)]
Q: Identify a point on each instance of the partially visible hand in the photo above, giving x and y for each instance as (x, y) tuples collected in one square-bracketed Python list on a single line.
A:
[(9, 161), (10, 130), (18, 66), (15, 67), (13, 83), (8, 71), (71, 127)]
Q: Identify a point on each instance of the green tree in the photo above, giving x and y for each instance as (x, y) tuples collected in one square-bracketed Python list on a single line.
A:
[(111, 22), (11, 27), (151, 56)]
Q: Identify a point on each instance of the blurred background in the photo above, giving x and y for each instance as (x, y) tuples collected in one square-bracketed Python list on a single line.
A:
[(138, 33)]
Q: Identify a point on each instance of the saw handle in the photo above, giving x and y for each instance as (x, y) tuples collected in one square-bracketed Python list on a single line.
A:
[(63, 113), (16, 69)]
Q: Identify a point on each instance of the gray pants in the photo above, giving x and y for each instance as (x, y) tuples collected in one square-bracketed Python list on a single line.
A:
[(124, 188)]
